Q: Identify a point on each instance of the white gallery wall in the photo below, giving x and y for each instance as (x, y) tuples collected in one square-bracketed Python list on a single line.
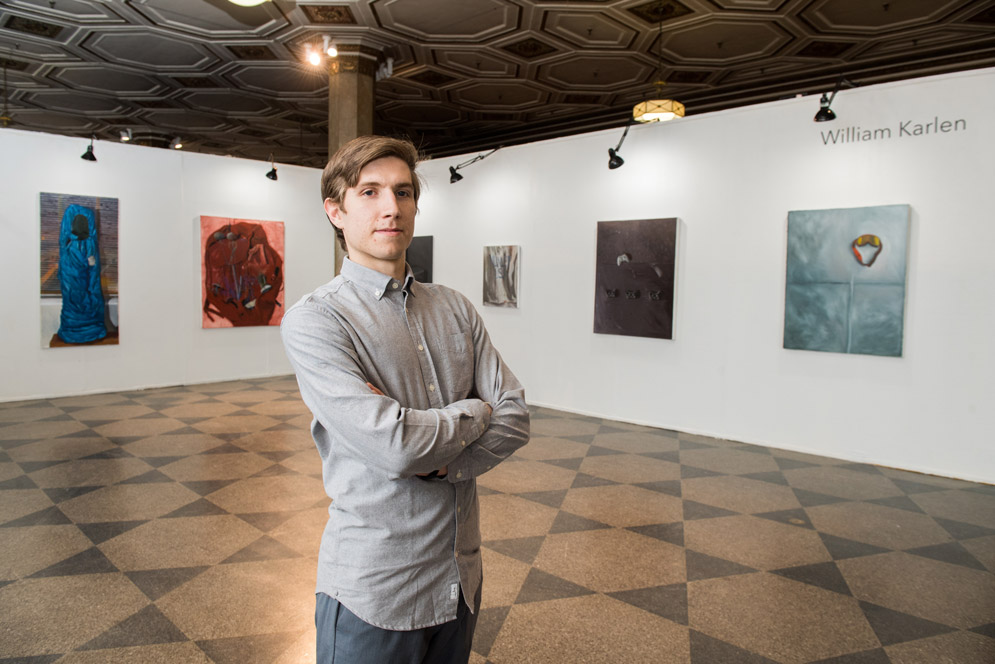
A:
[(730, 178), (162, 195)]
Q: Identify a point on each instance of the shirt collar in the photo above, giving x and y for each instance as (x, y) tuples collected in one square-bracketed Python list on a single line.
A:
[(375, 283)]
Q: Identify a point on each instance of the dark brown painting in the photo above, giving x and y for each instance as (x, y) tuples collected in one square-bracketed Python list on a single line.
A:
[(634, 278)]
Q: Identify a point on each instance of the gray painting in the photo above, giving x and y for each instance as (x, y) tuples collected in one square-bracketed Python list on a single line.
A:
[(634, 278), (845, 286), (419, 257), (501, 276)]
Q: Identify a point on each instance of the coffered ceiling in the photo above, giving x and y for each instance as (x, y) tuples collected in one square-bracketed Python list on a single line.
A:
[(467, 75)]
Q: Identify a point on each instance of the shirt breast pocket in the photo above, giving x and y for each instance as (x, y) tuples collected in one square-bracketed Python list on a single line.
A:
[(458, 364)]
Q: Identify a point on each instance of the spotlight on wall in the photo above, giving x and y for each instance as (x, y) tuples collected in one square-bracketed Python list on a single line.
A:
[(825, 113), (88, 155), (272, 171), (455, 177), (125, 135), (176, 143), (614, 161)]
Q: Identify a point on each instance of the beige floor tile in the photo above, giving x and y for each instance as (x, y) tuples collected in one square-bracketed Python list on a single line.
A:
[(9, 470), (16, 414), (111, 412), (215, 467), (40, 430), (546, 447), (982, 548), (503, 579), (279, 408), (181, 444), (301, 651), (244, 598), (525, 476), (965, 506), (635, 442), (127, 502), (26, 550), (61, 449), (236, 424), (505, 517), (623, 505), (270, 494), (850, 484), (563, 427), (755, 542), (877, 525), (199, 409), (305, 461), (21, 502), (250, 396), (278, 441), (732, 461), (58, 614), (956, 648), (766, 614), (611, 560), (163, 653), (140, 427), (630, 468), (90, 400), (588, 630), (934, 590), (739, 494), (89, 472), (180, 542)]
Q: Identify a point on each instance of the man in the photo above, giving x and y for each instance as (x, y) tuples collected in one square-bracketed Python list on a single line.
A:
[(411, 403)]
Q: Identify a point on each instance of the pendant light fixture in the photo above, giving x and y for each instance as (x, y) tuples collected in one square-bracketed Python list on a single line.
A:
[(658, 109), (272, 171), (88, 155)]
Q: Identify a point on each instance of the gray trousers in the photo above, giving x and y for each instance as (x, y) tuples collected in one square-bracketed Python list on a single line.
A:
[(345, 639)]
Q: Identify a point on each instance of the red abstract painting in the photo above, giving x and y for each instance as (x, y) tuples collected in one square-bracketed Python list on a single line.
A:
[(241, 272)]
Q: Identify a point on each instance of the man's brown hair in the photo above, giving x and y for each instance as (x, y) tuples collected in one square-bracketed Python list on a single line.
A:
[(342, 170)]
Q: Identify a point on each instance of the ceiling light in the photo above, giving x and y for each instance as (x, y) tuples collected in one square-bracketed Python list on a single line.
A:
[(176, 143), (455, 177), (614, 161), (312, 56), (272, 172), (88, 155), (125, 135), (247, 3), (825, 113), (329, 47), (659, 109)]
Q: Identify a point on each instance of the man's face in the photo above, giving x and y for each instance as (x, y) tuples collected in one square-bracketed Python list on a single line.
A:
[(377, 216)]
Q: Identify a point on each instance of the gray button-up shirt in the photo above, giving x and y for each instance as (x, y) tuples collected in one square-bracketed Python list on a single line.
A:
[(397, 547)]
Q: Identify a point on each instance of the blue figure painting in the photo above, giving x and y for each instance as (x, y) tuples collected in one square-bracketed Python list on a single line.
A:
[(82, 317)]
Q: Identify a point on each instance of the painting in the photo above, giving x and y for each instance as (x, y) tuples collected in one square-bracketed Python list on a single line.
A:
[(501, 276), (419, 257), (79, 257), (241, 272), (845, 285), (634, 278)]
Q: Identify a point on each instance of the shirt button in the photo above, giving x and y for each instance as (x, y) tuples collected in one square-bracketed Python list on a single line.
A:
[(420, 347), (431, 388), (462, 443), (457, 554), (459, 474), (377, 293), (394, 285)]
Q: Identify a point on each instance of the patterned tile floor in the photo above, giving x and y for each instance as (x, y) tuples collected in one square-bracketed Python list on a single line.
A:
[(181, 525)]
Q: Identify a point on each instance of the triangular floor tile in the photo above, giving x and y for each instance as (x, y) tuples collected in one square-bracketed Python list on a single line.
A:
[(159, 462), (694, 510), (266, 521), (186, 431), (949, 552), (985, 630), (876, 656), (910, 487), (227, 448), (157, 582), (125, 440), (278, 456), (899, 502), (772, 477), (566, 522), (274, 470), (690, 472), (569, 464), (686, 445), (524, 549), (154, 415), (587, 440), (548, 498), (489, 624), (812, 499), (583, 481), (146, 627), (669, 487), (202, 507), (609, 429), (151, 477), (482, 490), (19, 482), (791, 464), (50, 516), (283, 426), (893, 627), (264, 548), (91, 561), (32, 466), (112, 453), (246, 649), (540, 586), (702, 566), (34, 659), (101, 532), (840, 548), (790, 517), (595, 450), (82, 433), (205, 487), (673, 456), (229, 437), (822, 575), (710, 650), (961, 531), (61, 495), (861, 468), (670, 602), (667, 532)]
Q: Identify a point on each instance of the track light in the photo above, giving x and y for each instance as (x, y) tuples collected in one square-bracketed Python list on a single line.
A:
[(272, 172), (825, 113), (88, 155), (328, 47), (614, 161), (247, 3), (455, 177), (176, 143), (125, 135)]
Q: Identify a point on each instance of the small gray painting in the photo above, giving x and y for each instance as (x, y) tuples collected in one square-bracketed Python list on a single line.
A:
[(419, 257), (845, 285), (501, 276)]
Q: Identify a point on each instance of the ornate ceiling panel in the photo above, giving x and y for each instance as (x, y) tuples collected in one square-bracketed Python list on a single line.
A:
[(467, 75)]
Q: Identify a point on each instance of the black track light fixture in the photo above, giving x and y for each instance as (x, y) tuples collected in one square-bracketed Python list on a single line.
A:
[(614, 161), (455, 177), (88, 155), (826, 113), (272, 171)]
